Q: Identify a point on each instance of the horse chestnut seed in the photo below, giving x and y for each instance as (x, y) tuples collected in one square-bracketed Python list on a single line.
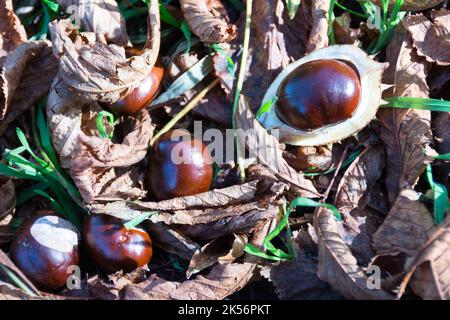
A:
[(318, 93), (142, 93), (112, 247), (44, 247), (180, 166)]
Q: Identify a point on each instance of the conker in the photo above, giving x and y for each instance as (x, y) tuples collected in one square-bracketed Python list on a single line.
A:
[(112, 247), (44, 247), (142, 94), (180, 166), (318, 93)]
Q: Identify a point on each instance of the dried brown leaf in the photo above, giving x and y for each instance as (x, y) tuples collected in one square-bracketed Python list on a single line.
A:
[(211, 199), (337, 266), (12, 32), (226, 249), (8, 197), (429, 272), (414, 5), (208, 20), (99, 71), (298, 280), (243, 223), (406, 133), (318, 37), (406, 228), (101, 169), (431, 42), (360, 176), (102, 17), (267, 150), (172, 241), (26, 76)]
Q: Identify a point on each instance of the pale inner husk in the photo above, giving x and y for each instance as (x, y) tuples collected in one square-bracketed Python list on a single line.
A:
[(370, 73)]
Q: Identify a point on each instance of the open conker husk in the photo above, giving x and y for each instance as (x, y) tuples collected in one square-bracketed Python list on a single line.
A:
[(318, 93), (44, 247), (142, 93), (325, 97), (180, 165), (112, 247)]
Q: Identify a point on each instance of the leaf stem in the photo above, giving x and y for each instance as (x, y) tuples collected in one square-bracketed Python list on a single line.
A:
[(191, 105), (240, 80)]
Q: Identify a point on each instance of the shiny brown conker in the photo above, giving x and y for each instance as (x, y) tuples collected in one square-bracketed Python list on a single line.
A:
[(142, 93), (318, 93), (113, 247), (44, 247), (180, 165)]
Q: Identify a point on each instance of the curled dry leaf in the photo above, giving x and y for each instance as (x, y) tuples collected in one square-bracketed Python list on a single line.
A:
[(309, 158), (99, 71), (244, 223), (337, 266), (8, 199), (208, 20), (222, 281), (431, 41), (26, 76), (414, 5), (267, 150), (102, 17), (216, 198), (101, 169), (172, 241), (298, 280), (12, 32), (406, 228), (431, 274), (226, 249), (406, 133), (360, 176)]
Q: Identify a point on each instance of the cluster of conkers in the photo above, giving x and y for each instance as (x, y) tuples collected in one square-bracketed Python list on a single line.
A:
[(46, 247)]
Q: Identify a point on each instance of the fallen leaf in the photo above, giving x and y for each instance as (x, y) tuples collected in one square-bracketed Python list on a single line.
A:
[(406, 134), (309, 158), (337, 266), (430, 41), (170, 240), (8, 200), (243, 223), (103, 170), (26, 76), (102, 17), (99, 71), (318, 37), (226, 249), (128, 210), (267, 150), (414, 5), (208, 20), (359, 177), (298, 280), (429, 270), (222, 281), (12, 32)]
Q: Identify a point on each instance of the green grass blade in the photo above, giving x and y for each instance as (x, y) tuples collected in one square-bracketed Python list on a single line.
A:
[(257, 252), (138, 220), (445, 156), (440, 195), (30, 193), (305, 202), (418, 103)]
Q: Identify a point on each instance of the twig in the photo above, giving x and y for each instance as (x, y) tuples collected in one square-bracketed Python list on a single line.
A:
[(338, 168), (191, 105)]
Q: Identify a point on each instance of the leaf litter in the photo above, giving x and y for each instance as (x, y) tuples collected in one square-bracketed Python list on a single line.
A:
[(368, 201)]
